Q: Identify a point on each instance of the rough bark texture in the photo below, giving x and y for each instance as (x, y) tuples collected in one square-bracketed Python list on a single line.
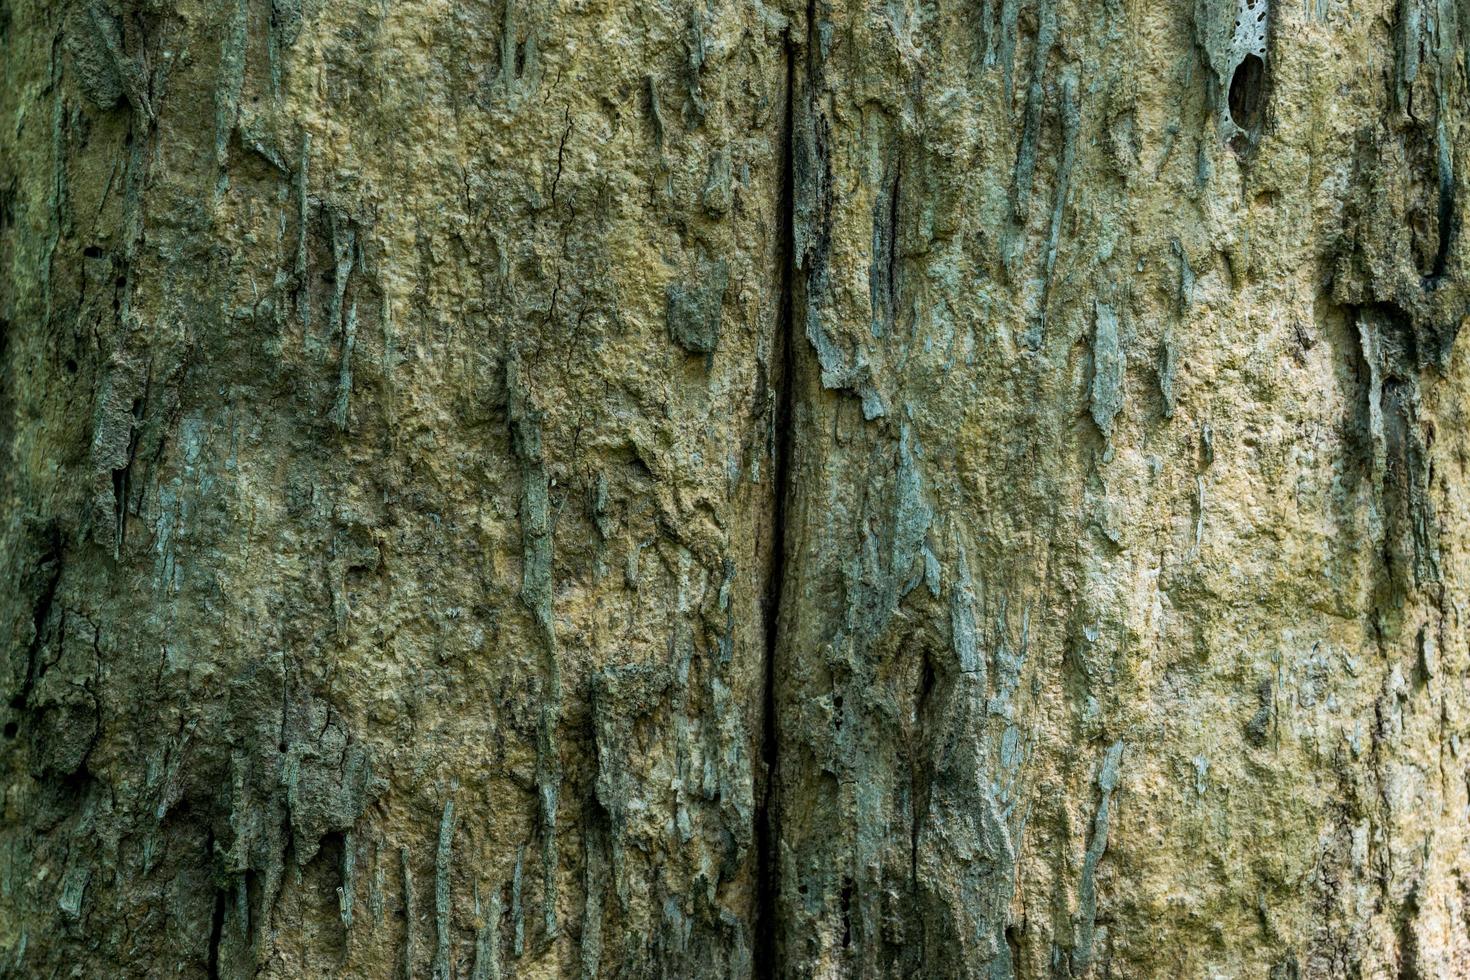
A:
[(529, 488)]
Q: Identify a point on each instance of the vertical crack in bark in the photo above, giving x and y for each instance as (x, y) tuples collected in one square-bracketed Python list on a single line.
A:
[(216, 929), (783, 355), (52, 555)]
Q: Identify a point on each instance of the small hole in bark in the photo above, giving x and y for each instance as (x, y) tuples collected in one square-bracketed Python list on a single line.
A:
[(92, 252), (10, 729), (71, 366), (1246, 87)]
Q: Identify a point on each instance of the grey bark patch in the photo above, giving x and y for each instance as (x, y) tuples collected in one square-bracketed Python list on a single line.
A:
[(1168, 371), (89, 37), (1168, 362), (443, 857), (328, 782), (343, 233), (121, 406), (65, 719), (1025, 168), (341, 406), (1071, 120), (694, 309), (883, 264), (1108, 364), (228, 89), (410, 914), (1233, 37), (962, 619), (517, 909), (1259, 726), (912, 556), (346, 892), (1401, 467), (286, 21), (536, 593), (135, 87), (1428, 663), (297, 777), (1087, 930), (487, 937), (717, 195), (595, 882), (73, 888)]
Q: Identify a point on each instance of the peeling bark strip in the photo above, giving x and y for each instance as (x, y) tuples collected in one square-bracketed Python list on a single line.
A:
[(1107, 369), (1086, 933), (442, 907), (536, 576), (687, 483), (410, 912)]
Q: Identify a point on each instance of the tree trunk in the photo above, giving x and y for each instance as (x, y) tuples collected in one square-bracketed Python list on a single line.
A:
[(529, 489)]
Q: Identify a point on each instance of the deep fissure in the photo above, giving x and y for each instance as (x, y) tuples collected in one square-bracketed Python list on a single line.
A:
[(783, 356), (216, 929)]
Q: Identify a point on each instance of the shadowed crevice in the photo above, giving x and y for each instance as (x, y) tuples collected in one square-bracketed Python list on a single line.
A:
[(783, 357)]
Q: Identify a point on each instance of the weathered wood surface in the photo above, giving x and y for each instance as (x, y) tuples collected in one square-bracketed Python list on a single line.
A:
[(528, 489)]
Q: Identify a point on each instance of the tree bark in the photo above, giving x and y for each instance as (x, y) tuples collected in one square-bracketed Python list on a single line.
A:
[(528, 489)]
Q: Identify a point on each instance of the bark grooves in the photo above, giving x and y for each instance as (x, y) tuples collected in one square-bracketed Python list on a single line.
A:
[(216, 930), (784, 358)]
